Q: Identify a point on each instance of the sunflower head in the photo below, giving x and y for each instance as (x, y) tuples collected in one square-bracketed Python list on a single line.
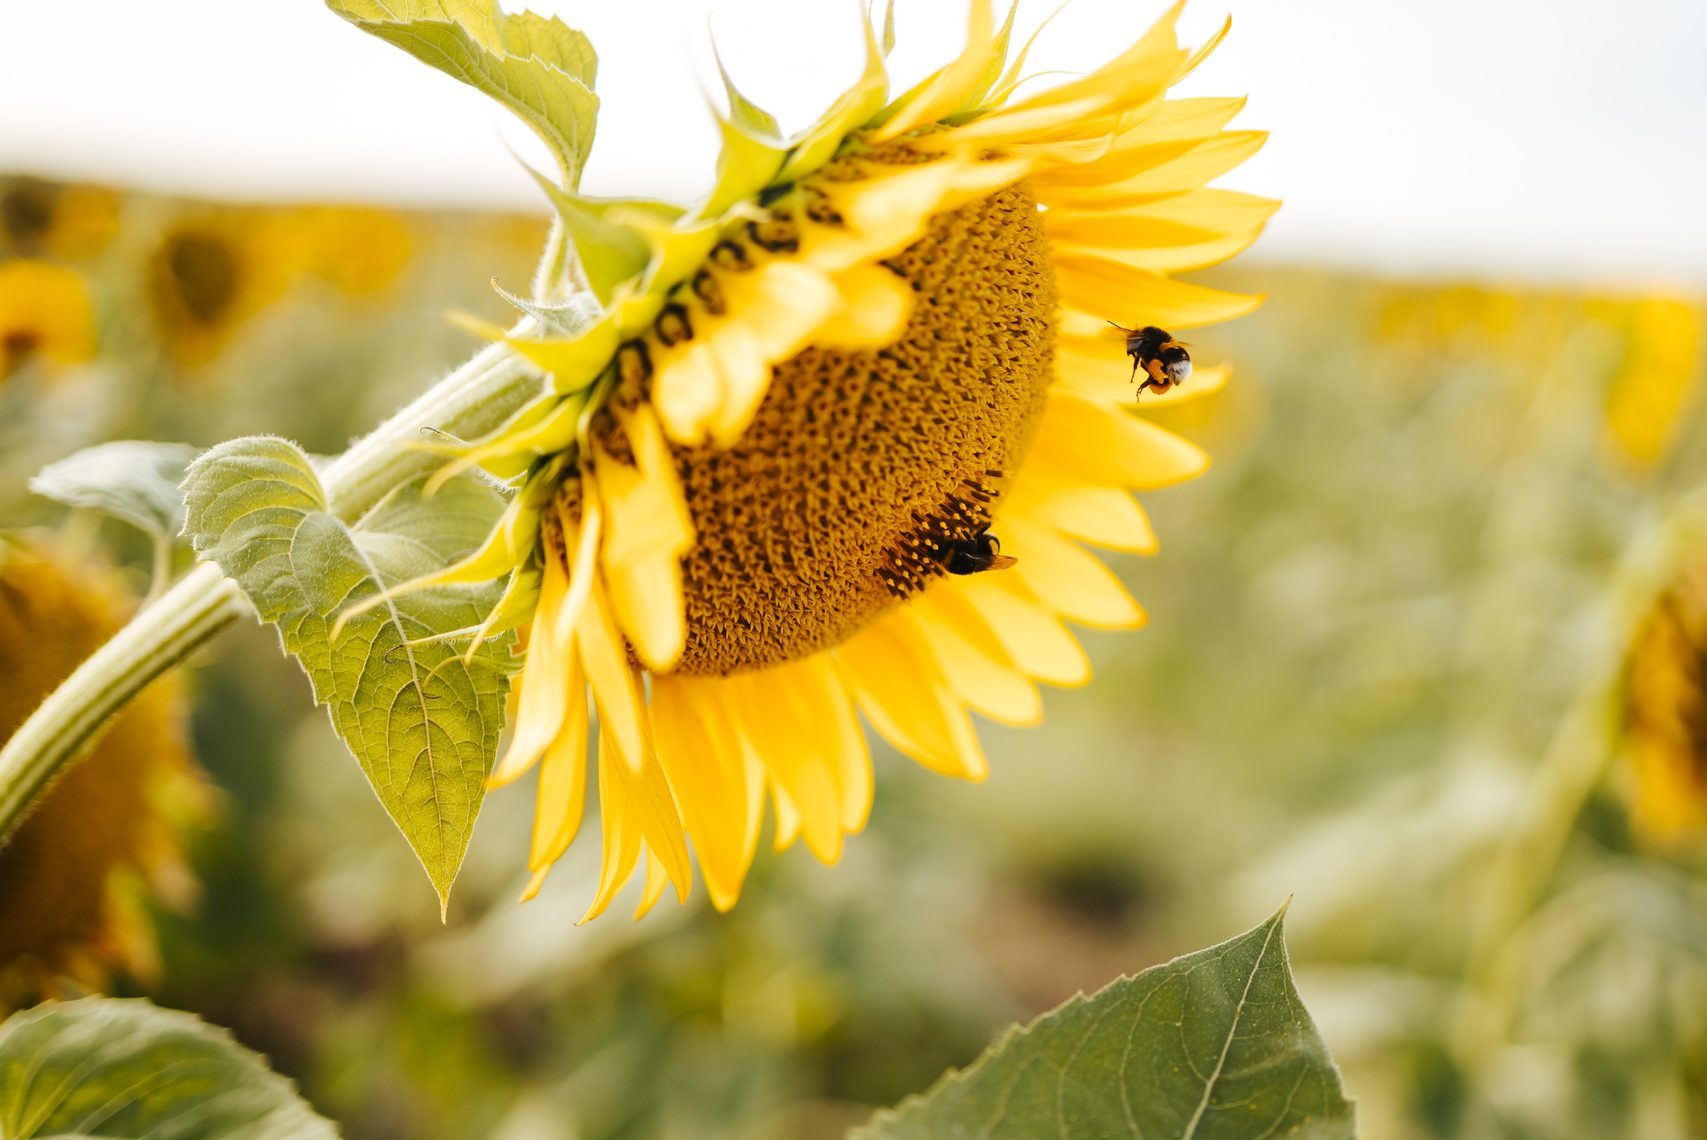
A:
[(1665, 709), (1653, 391), (75, 874), (361, 251), (46, 319), (69, 221), (827, 443), (209, 273)]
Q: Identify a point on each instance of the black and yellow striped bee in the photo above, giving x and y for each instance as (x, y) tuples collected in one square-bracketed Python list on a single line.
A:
[(1164, 360), (975, 554)]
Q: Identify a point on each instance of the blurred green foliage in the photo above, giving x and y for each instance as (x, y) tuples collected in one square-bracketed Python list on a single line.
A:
[(1382, 632)]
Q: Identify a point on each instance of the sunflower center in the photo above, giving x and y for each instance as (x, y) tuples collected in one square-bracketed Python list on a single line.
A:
[(203, 272), (864, 472)]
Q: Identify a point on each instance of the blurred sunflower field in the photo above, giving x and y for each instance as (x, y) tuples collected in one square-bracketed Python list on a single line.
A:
[(1405, 642), (1423, 665)]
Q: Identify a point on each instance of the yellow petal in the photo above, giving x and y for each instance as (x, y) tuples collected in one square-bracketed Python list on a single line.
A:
[(562, 794), (1208, 208), (582, 536), (643, 500), (890, 670), (646, 595), (980, 675), (1166, 168), (646, 795), (1180, 258), (1177, 119), (657, 878), (1067, 578), (787, 820), (1107, 516), (544, 697), (1028, 631), (1137, 74), (778, 709), (1150, 146), (889, 207), (781, 302), (1103, 288), (832, 710), (1096, 443), (947, 89), (744, 372), (714, 777), (1209, 45), (1022, 128), (616, 690), (687, 390), (619, 834), (876, 305)]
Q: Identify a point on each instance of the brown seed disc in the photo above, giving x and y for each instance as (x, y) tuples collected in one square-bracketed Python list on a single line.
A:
[(837, 500)]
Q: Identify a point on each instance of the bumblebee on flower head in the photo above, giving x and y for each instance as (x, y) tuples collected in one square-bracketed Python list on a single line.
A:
[(1164, 360)]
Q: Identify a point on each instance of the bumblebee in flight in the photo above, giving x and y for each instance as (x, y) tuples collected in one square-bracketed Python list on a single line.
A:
[(1164, 360)]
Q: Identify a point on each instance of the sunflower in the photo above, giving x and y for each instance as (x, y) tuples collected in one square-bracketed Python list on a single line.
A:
[(1653, 392), (781, 471), (45, 316), (70, 875), (69, 221), (209, 273), (1665, 709), (359, 250)]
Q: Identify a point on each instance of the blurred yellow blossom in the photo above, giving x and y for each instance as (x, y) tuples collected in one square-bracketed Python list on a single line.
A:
[(44, 315), (1658, 380), (73, 875)]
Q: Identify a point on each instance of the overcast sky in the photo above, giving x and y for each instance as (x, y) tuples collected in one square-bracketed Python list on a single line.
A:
[(1539, 137)]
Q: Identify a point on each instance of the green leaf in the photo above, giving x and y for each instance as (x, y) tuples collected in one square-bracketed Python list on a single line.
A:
[(1212, 1046), (133, 480), (537, 66), (125, 1068), (423, 723)]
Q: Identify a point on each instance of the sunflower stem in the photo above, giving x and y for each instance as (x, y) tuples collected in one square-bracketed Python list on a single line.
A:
[(473, 400)]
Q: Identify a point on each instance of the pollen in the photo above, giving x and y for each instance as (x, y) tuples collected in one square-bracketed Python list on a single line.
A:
[(859, 464)]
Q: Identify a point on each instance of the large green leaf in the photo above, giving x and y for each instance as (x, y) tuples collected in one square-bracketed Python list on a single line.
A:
[(130, 479), (535, 65), (423, 723), (1212, 1046), (105, 1067)]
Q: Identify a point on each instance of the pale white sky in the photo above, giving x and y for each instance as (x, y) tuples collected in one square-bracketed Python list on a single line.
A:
[(1547, 138)]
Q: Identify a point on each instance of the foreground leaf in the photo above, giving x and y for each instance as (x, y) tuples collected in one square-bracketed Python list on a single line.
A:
[(423, 723), (1212, 1045), (130, 479), (106, 1067), (538, 67)]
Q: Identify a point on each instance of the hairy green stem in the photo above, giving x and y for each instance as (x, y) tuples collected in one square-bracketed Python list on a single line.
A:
[(470, 402)]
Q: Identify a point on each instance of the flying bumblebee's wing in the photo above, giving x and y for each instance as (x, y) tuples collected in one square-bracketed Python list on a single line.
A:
[(1001, 562)]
